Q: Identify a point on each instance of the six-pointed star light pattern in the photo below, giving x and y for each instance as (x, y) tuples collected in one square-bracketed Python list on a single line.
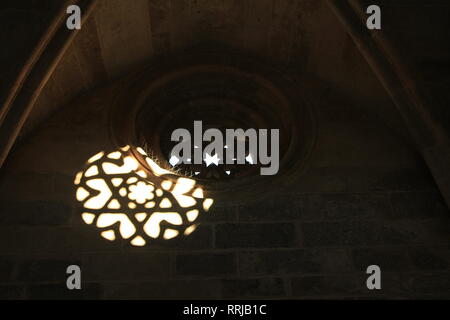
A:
[(120, 199)]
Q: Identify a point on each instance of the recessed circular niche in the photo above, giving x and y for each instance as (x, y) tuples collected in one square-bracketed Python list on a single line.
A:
[(224, 91)]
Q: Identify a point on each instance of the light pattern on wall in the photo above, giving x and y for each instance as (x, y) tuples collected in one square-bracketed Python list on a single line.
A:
[(123, 200)]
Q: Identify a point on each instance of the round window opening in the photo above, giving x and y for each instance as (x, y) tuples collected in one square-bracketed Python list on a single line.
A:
[(217, 144), (230, 92)]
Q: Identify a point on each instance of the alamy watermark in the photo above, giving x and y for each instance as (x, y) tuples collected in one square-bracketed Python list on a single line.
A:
[(238, 147)]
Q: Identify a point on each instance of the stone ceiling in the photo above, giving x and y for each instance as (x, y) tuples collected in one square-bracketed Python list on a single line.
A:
[(304, 36)]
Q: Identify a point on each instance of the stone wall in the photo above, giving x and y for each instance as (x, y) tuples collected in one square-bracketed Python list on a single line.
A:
[(365, 198)]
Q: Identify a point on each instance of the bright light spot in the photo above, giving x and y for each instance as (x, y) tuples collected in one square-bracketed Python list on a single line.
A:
[(198, 193), (138, 241), (114, 204), (189, 230), (141, 192), (174, 161), (129, 165), (150, 204), (197, 173), (166, 185), (100, 200), (140, 216), (126, 228), (132, 180), (183, 185), (157, 170), (207, 204), (92, 171), (88, 217), (249, 159), (170, 234), (165, 203), (142, 174), (152, 228), (125, 149), (228, 172), (132, 205), (82, 194), (141, 151), (211, 159), (96, 157), (116, 181), (115, 155), (192, 215), (185, 201), (109, 235), (78, 178)]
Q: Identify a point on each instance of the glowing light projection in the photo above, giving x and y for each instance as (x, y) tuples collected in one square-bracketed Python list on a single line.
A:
[(123, 201)]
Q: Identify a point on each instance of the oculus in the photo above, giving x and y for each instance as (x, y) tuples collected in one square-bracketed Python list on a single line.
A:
[(127, 200)]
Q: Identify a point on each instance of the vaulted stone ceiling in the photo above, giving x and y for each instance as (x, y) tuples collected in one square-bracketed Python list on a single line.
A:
[(18, 37), (120, 35), (303, 36)]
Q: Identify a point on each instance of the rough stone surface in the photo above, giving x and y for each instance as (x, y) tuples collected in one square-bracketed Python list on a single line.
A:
[(206, 265), (364, 197), (259, 235)]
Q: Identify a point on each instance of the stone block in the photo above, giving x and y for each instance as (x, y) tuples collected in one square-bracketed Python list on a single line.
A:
[(388, 259), (258, 235), (34, 213), (91, 291), (45, 270), (430, 258), (418, 205), (253, 288), (123, 267), (297, 261), (206, 264)]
